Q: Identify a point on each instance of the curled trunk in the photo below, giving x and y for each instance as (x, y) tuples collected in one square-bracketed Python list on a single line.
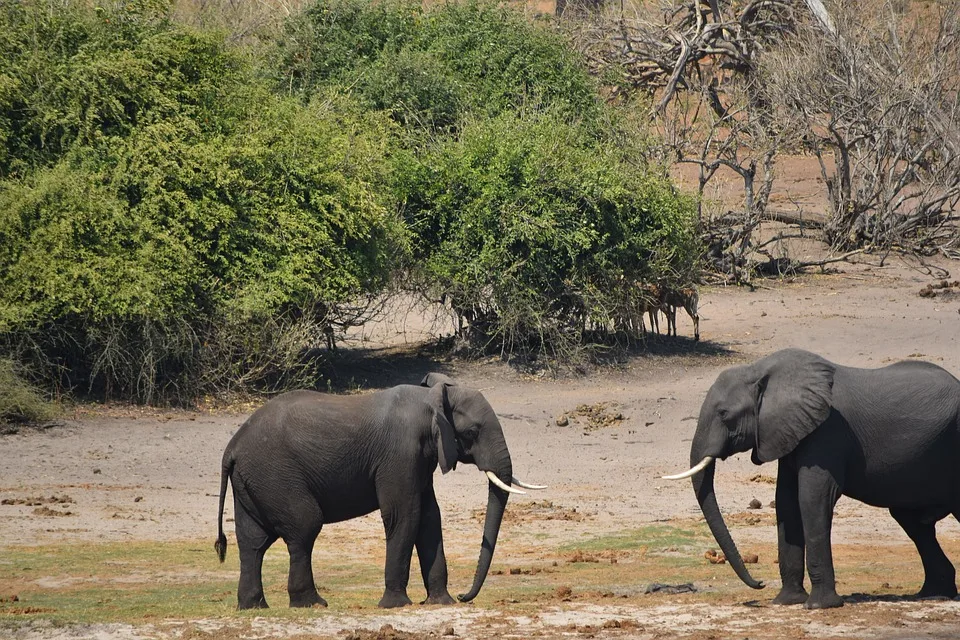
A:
[(703, 486), (496, 504)]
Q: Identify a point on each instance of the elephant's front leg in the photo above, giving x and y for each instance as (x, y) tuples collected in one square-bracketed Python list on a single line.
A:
[(790, 540), (819, 491), (433, 564), (401, 522)]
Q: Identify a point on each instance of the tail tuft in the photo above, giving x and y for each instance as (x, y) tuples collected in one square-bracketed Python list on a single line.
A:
[(221, 546)]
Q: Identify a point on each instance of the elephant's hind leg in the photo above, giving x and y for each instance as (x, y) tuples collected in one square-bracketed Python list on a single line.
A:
[(300, 584), (433, 563), (252, 541), (939, 574)]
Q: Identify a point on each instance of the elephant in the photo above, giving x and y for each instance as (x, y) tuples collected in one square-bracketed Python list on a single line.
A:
[(888, 437), (305, 459)]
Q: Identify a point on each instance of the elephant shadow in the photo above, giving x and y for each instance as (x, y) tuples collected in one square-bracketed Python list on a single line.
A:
[(863, 598), (858, 598)]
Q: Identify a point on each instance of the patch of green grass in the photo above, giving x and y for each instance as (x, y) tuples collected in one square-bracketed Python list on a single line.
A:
[(81, 583), (653, 537), (145, 582)]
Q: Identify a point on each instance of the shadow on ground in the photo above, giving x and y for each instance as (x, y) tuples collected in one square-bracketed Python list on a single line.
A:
[(357, 368)]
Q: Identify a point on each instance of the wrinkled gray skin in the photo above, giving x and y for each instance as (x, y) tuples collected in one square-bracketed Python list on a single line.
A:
[(888, 437), (305, 459)]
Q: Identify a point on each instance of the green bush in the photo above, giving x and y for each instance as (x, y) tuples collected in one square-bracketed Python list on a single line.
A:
[(430, 66), (211, 211), (180, 216), (539, 235)]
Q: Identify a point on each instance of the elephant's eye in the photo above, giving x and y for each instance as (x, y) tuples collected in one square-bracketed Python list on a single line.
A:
[(724, 414)]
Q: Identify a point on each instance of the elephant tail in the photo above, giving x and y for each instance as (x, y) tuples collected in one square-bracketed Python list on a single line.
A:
[(221, 544)]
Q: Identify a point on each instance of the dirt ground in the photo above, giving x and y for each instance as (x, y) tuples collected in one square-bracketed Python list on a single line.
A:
[(141, 475)]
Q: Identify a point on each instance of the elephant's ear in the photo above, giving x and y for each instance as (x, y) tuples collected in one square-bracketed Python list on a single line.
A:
[(794, 397), (443, 431), (432, 379)]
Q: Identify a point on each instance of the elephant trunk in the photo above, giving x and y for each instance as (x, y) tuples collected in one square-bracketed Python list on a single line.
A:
[(703, 487), (496, 504)]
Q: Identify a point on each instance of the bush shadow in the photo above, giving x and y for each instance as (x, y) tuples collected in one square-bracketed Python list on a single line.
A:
[(358, 368)]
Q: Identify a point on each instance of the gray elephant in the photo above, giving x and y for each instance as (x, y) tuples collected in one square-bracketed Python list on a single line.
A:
[(305, 459), (889, 437)]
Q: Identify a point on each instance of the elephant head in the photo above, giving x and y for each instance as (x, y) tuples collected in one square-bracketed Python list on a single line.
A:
[(768, 406), (467, 430)]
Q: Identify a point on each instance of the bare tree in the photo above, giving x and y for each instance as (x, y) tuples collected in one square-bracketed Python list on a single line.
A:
[(877, 94), (868, 90), (698, 64)]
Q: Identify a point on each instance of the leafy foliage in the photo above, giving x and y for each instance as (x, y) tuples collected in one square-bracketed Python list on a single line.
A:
[(538, 235), (431, 66), (130, 234), (180, 216)]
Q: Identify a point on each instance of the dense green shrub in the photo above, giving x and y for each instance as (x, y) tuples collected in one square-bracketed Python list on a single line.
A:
[(430, 65), (539, 235), (74, 76), (527, 213), (162, 225), (180, 216)]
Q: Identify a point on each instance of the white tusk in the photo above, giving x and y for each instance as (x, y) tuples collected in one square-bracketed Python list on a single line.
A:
[(521, 483), (497, 481), (703, 464)]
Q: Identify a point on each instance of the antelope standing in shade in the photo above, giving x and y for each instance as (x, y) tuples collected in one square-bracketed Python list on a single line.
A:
[(651, 301), (688, 298)]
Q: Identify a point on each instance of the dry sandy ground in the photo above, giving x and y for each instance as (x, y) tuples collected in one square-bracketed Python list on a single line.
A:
[(152, 475)]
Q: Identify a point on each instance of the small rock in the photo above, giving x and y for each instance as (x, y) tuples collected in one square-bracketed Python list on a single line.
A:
[(751, 558), (563, 591), (138, 499), (166, 436), (515, 571), (96, 471), (715, 557), (754, 504), (563, 421), (448, 631), (773, 504)]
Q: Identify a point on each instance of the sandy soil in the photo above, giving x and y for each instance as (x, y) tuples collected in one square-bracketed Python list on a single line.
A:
[(142, 474)]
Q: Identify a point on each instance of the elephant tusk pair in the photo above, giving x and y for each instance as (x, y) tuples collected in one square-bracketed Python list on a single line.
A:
[(500, 483), (703, 464)]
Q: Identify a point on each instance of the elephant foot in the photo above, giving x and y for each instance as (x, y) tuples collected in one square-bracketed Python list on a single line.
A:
[(393, 599), (930, 590), (823, 599), (441, 598), (255, 602), (307, 600), (791, 596)]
